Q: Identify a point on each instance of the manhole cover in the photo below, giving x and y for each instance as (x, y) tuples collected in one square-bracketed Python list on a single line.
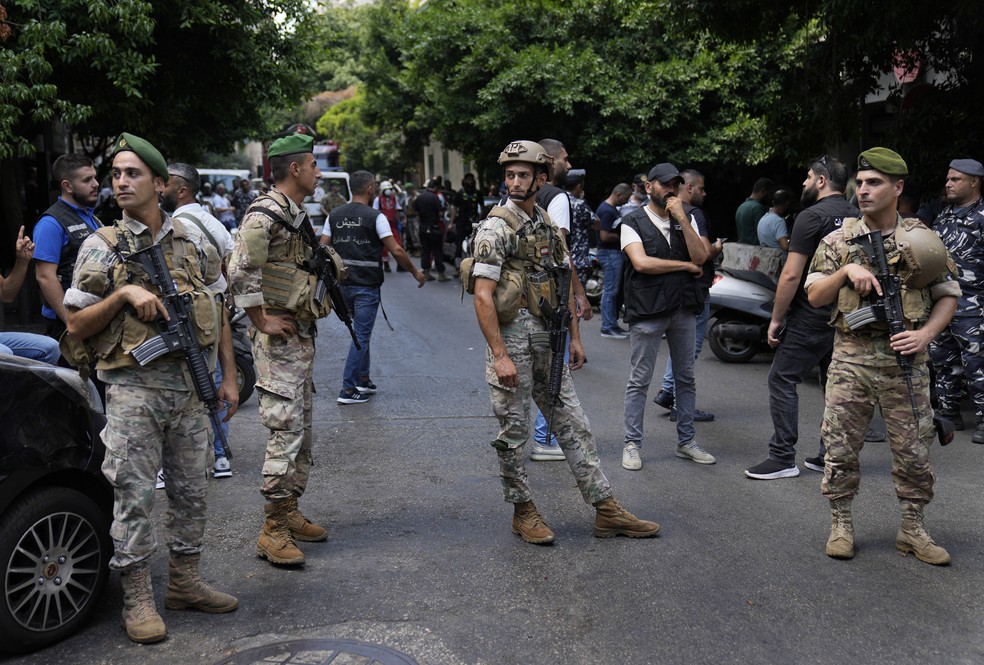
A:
[(319, 652)]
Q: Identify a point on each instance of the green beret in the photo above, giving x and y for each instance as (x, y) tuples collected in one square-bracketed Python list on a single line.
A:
[(887, 161), (150, 155), (290, 145)]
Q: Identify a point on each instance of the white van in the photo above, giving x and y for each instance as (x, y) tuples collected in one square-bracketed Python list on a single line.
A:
[(313, 203), (226, 176)]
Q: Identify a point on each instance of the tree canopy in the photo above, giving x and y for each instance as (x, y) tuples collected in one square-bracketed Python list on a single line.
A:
[(192, 76)]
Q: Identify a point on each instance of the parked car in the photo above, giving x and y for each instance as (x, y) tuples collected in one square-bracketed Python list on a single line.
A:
[(55, 504)]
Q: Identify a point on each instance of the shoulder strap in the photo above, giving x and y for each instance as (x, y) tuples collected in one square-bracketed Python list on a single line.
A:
[(514, 221), (197, 222), (306, 230)]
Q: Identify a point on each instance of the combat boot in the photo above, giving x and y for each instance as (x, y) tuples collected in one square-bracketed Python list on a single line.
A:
[(978, 432), (529, 525), (187, 590), (612, 519), (912, 537), (275, 543), (840, 544), (140, 618), (301, 528)]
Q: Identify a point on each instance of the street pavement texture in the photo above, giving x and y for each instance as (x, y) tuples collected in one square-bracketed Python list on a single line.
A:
[(420, 557)]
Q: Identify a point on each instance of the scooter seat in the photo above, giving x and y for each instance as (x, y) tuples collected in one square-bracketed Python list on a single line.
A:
[(753, 276)]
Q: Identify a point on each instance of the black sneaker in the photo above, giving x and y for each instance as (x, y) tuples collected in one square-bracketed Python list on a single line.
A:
[(814, 463), (875, 435), (978, 433), (354, 397), (770, 469), (366, 386), (699, 416), (664, 399), (611, 333)]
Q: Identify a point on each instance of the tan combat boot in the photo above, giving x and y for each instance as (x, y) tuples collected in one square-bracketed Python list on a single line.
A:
[(186, 588), (840, 544), (529, 525), (614, 520), (301, 528), (912, 537), (140, 618), (275, 543)]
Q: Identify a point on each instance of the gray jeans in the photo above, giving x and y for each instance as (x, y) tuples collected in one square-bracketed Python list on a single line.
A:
[(680, 329)]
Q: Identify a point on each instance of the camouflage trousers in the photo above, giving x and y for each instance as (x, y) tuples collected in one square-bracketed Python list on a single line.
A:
[(851, 395), (956, 354), (284, 368), (147, 429), (512, 408)]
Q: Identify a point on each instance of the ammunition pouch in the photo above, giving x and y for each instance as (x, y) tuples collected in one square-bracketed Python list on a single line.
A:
[(289, 287)]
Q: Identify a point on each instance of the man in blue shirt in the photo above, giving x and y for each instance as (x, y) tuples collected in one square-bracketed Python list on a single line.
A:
[(59, 234)]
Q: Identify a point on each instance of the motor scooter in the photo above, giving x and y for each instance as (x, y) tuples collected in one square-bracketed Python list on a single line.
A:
[(594, 286), (243, 351), (741, 309)]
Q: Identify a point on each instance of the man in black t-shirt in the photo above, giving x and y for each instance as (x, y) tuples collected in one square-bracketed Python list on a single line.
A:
[(799, 332), (464, 212), (430, 209)]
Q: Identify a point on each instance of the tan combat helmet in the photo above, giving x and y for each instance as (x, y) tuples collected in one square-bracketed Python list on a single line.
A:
[(923, 253), (529, 152)]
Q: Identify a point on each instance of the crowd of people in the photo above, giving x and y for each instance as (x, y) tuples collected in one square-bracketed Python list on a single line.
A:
[(525, 263)]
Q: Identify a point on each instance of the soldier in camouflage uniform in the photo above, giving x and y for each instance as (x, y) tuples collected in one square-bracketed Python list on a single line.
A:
[(268, 279), (154, 416), (864, 370), (514, 248), (956, 353)]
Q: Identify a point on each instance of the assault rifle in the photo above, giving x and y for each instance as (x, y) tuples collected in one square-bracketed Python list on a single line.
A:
[(324, 264), (888, 308), (178, 334), (558, 319)]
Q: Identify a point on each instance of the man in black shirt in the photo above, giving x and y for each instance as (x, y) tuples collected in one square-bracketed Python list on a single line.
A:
[(799, 332), (465, 211), (430, 210)]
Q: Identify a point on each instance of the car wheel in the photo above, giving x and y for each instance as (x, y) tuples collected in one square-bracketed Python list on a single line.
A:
[(55, 550), (245, 377)]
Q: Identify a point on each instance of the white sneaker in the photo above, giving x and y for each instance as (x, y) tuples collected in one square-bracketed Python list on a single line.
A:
[(222, 467), (160, 480), (693, 452), (630, 457), (544, 453)]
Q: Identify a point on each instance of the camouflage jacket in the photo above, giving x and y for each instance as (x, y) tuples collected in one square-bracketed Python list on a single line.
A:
[(963, 234)]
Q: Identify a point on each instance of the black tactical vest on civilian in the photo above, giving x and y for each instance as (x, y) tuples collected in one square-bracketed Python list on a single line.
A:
[(652, 296), (353, 235), (77, 231)]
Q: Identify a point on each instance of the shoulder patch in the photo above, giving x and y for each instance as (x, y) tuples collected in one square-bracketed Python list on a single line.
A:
[(484, 249)]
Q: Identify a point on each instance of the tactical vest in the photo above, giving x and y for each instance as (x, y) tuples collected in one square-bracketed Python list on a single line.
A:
[(916, 303), (77, 231), (353, 235), (288, 283), (524, 277), (650, 296), (548, 193), (112, 345)]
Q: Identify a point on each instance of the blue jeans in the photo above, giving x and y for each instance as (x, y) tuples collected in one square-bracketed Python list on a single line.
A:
[(803, 347), (540, 428), (702, 318), (216, 441), (363, 303), (644, 336), (28, 345), (611, 260)]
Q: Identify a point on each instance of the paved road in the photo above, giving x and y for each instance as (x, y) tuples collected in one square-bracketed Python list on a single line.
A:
[(421, 559)]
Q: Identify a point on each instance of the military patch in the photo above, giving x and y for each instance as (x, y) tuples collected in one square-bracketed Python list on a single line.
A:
[(484, 249)]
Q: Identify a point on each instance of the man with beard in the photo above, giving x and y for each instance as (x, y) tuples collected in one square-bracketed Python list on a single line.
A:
[(956, 352), (662, 297), (800, 332), (60, 232), (179, 200)]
